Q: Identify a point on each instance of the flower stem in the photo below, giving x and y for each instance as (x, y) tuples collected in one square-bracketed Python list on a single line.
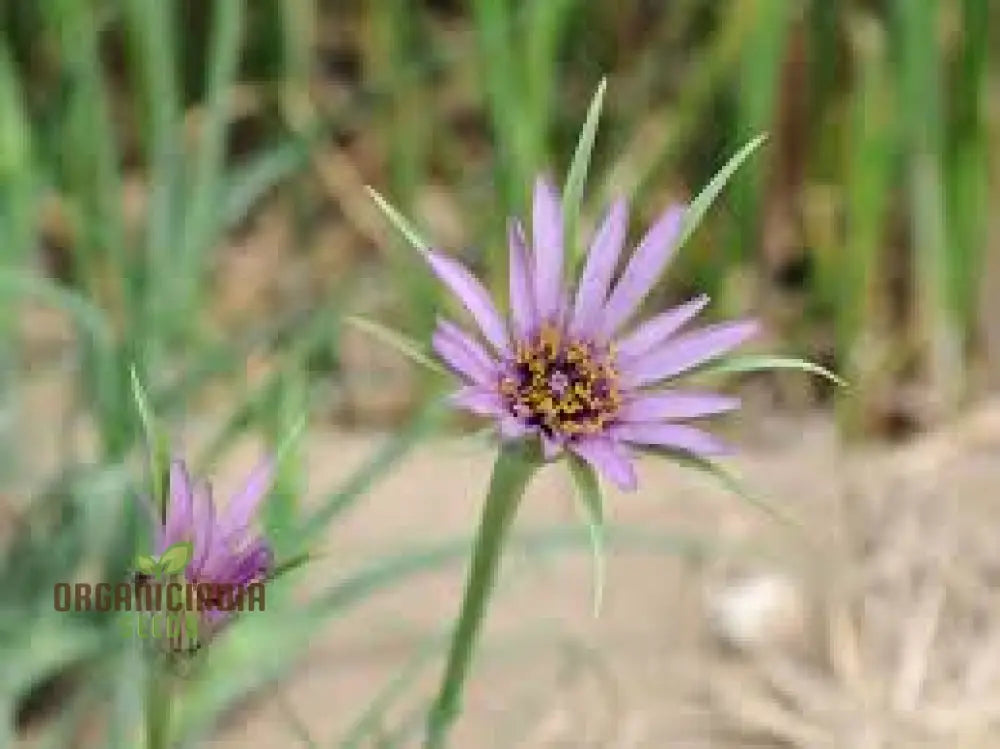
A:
[(513, 469), (158, 703)]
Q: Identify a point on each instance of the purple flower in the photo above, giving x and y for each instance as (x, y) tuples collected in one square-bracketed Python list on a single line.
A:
[(572, 368), (225, 548)]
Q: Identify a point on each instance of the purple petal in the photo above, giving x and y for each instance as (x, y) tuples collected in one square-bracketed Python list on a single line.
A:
[(523, 310), (473, 295), (251, 564), (512, 428), (243, 506), (547, 231), (551, 448), (656, 330), (179, 514), (679, 436), (611, 460), (204, 526), (460, 353), (483, 359), (646, 407), (642, 271), (687, 351), (477, 400), (602, 258)]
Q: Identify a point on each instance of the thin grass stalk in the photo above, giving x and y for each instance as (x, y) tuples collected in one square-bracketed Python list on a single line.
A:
[(203, 221), (759, 74), (406, 121), (968, 165), (102, 267), (918, 62), (150, 26), (869, 154), (18, 213)]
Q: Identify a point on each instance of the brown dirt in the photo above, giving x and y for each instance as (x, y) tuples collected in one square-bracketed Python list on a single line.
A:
[(888, 637)]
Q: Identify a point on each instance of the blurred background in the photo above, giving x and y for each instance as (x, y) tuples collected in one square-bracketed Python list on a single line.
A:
[(182, 189)]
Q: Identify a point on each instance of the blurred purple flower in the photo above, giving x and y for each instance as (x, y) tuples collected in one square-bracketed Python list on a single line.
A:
[(569, 368), (226, 550)]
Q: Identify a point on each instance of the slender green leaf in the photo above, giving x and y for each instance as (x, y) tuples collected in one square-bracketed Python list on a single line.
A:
[(396, 218), (576, 179), (398, 341), (700, 205), (754, 363), (728, 481), (589, 490), (157, 443)]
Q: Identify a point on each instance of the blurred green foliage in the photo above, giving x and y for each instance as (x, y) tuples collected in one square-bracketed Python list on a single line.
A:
[(860, 232)]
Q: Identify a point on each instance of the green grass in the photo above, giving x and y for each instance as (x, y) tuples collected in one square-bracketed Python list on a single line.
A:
[(98, 96)]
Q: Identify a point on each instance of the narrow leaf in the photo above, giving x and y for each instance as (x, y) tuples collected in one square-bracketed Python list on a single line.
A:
[(589, 490), (729, 481), (700, 205), (157, 444), (742, 364), (406, 346), (576, 178), (402, 225)]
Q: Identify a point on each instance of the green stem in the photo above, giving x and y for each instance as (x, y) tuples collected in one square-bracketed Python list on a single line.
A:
[(513, 469), (158, 699)]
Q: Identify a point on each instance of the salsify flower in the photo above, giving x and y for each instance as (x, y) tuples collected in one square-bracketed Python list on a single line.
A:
[(571, 367), (225, 548)]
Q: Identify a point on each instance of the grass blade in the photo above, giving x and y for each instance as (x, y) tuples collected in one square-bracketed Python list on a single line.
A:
[(589, 491), (406, 346), (576, 179)]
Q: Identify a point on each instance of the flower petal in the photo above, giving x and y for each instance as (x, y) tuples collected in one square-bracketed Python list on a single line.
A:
[(466, 357), (179, 513), (686, 351), (512, 428), (647, 407), (523, 310), (204, 527), (243, 506), (642, 271), (657, 329), (547, 240), (477, 400), (679, 436), (602, 258), (610, 459), (473, 295)]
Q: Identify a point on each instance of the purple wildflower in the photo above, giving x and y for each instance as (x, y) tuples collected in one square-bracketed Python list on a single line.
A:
[(226, 551), (570, 369)]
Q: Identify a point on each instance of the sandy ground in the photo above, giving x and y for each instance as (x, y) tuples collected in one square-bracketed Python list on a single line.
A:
[(871, 621), (844, 633)]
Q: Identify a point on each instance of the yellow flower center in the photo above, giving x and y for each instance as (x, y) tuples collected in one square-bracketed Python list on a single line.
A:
[(564, 387)]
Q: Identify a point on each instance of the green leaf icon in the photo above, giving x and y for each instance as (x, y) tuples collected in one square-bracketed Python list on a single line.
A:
[(176, 558), (146, 564)]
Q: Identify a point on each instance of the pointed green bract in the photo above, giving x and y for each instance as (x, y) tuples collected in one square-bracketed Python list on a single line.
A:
[(176, 558), (157, 444), (700, 205), (743, 364), (589, 490), (402, 225), (576, 178), (728, 480), (406, 346)]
